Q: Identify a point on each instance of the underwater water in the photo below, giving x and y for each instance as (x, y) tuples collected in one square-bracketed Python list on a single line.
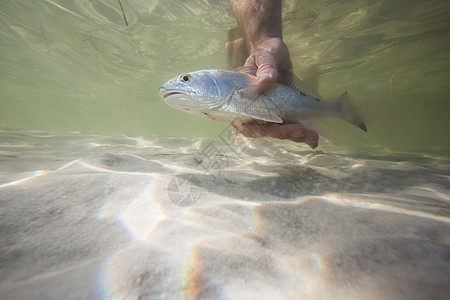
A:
[(107, 193)]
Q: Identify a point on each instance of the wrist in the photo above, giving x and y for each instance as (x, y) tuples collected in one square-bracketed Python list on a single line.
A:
[(264, 35), (264, 42), (265, 39)]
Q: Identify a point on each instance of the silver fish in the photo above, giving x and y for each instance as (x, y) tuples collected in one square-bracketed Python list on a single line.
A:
[(223, 95)]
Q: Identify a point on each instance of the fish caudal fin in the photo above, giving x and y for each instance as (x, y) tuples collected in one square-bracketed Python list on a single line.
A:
[(345, 108)]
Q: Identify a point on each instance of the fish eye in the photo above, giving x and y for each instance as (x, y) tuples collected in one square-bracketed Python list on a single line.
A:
[(185, 77)]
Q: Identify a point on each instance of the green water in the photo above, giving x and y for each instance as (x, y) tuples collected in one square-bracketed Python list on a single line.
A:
[(75, 66)]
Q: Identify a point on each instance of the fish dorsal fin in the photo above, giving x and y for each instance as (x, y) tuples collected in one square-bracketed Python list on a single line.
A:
[(292, 81)]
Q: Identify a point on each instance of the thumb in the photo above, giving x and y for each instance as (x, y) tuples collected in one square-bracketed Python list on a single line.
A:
[(267, 72), (266, 75)]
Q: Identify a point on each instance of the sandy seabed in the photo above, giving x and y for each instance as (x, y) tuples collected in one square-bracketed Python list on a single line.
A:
[(99, 217)]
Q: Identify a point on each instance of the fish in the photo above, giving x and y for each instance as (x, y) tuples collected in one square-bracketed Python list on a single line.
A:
[(226, 95)]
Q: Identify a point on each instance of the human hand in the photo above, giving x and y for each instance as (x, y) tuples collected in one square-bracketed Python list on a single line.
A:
[(267, 58), (292, 131)]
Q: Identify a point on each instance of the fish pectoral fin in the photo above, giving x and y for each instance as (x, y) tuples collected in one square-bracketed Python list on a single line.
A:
[(263, 109), (264, 116)]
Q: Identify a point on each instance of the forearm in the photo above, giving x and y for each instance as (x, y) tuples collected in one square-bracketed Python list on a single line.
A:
[(258, 19)]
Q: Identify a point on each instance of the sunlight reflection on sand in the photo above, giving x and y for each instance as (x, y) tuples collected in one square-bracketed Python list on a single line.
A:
[(102, 212)]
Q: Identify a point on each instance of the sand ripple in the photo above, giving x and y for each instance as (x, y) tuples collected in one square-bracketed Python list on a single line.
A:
[(89, 216)]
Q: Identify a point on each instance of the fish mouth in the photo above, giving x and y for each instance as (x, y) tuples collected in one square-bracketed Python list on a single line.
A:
[(168, 93)]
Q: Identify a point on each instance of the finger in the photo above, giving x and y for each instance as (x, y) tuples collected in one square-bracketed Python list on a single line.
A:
[(295, 132), (252, 130), (267, 72), (250, 66), (253, 91), (311, 139)]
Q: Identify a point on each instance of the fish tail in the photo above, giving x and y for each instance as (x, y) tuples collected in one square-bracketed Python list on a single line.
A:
[(347, 112)]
